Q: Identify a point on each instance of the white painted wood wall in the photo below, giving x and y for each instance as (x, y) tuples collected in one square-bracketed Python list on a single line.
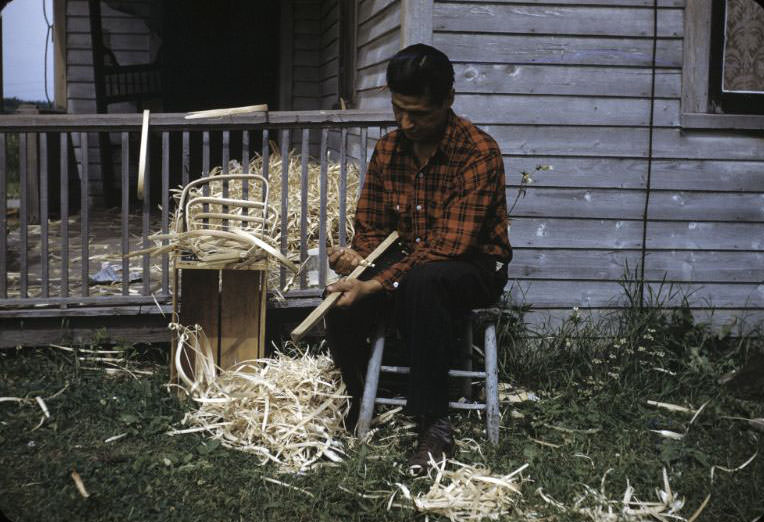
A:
[(568, 84)]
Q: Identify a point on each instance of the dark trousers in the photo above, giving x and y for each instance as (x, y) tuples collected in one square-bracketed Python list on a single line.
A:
[(425, 308)]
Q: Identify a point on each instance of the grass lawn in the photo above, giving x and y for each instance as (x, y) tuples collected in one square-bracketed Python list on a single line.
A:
[(589, 435)]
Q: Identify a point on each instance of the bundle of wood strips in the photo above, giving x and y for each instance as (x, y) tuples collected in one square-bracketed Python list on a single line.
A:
[(294, 196), (463, 492), (288, 410), (237, 220)]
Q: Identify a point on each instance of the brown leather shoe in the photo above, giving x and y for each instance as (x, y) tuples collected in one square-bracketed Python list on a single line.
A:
[(435, 440)]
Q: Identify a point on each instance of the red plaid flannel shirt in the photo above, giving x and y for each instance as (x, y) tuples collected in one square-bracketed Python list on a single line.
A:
[(454, 206)]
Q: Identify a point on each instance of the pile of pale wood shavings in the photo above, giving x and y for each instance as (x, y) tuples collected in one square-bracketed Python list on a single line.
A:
[(294, 196), (287, 410), (463, 492), (597, 506)]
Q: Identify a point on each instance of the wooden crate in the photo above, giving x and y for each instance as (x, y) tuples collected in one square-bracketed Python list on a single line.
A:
[(229, 305)]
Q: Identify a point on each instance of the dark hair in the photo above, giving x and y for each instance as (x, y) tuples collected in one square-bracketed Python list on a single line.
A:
[(420, 69)]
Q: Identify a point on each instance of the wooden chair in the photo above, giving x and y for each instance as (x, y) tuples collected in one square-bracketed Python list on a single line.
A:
[(138, 83), (486, 317)]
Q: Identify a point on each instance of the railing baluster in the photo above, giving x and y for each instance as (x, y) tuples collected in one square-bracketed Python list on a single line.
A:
[(245, 152), (44, 267), (125, 213), (266, 154), (245, 169), (165, 209), (84, 247), (226, 150), (64, 157), (363, 154), (226, 158), (186, 158), (146, 219), (205, 170), (3, 219), (205, 153), (343, 186), (23, 216), (284, 199), (305, 145), (324, 189)]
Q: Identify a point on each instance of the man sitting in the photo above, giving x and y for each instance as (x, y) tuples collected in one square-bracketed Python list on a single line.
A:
[(439, 181)]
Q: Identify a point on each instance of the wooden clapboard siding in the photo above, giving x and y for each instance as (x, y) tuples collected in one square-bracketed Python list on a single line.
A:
[(569, 84), (738, 321), (330, 54), (613, 3), (710, 175), (704, 235), (548, 294), (618, 204), (545, 19), (549, 49), (609, 294), (570, 233), (589, 264), (500, 78), (568, 172), (378, 39), (487, 109), (535, 140), (718, 145), (708, 266), (707, 206)]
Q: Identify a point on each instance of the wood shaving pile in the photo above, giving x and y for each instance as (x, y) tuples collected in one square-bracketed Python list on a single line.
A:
[(597, 506), (314, 196), (288, 410), (466, 492)]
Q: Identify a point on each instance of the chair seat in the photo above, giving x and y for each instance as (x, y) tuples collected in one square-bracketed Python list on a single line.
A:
[(483, 316)]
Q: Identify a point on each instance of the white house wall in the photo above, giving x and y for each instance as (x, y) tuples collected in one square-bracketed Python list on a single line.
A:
[(568, 84)]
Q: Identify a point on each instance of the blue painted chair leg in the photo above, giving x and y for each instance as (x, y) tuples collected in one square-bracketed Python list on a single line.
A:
[(366, 411), (491, 384)]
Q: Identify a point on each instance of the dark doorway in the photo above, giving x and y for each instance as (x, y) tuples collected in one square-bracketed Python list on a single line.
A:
[(220, 54)]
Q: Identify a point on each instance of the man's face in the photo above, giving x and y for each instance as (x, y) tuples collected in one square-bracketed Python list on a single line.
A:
[(419, 119)]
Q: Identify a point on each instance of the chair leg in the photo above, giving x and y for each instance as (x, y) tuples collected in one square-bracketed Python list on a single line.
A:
[(465, 359), (366, 411), (491, 384)]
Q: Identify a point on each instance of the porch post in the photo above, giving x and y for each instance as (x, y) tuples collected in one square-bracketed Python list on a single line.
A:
[(416, 22)]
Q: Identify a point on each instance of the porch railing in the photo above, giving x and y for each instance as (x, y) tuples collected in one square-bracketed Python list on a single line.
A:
[(49, 251)]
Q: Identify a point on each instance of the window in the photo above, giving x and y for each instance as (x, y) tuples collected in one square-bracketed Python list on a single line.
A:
[(723, 72)]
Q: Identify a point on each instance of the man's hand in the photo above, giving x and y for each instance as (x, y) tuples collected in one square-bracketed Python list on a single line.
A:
[(343, 260), (353, 290)]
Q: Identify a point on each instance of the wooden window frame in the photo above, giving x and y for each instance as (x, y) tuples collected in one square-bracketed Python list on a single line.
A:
[(696, 79)]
